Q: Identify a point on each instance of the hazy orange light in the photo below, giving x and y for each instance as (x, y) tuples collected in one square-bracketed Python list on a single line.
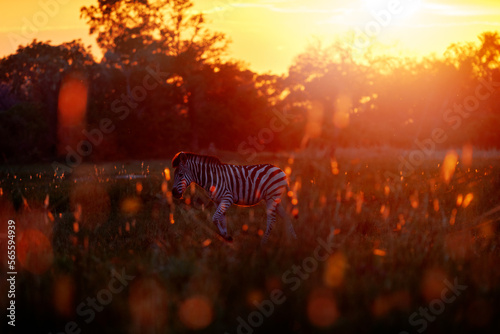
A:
[(449, 165), (453, 216), (343, 106), (468, 198), (147, 303), (467, 152), (435, 204), (433, 283), (196, 312), (131, 205), (335, 167), (379, 252), (64, 295), (335, 268), (72, 106), (34, 251), (138, 187), (322, 309)]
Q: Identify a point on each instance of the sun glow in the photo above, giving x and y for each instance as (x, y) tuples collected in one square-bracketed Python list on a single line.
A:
[(404, 8)]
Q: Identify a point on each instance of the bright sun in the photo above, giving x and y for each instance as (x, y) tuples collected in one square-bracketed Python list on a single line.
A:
[(404, 8)]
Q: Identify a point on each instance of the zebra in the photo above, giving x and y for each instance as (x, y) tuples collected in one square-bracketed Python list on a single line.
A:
[(228, 184)]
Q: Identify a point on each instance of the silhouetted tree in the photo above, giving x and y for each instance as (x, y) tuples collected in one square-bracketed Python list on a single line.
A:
[(34, 74)]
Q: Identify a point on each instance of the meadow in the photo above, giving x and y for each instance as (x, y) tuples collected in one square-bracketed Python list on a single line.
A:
[(106, 249)]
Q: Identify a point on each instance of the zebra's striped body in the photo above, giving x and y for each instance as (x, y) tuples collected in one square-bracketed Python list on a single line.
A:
[(232, 184)]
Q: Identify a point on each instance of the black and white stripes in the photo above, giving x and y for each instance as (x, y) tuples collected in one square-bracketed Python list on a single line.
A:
[(232, 184)]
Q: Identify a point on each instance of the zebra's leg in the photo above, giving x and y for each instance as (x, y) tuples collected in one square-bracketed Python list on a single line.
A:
[(219, 218), (284, 215), (271, 205)]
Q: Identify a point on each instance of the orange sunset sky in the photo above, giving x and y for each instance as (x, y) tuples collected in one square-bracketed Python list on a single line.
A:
[(268, 34)]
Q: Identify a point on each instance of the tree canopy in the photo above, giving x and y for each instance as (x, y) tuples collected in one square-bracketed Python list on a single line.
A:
[(165, 83)]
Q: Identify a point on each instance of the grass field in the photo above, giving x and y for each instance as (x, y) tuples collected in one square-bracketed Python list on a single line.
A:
[(106, 249)]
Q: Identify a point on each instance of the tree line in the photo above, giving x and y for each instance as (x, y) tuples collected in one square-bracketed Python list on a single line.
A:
[(166, 83)]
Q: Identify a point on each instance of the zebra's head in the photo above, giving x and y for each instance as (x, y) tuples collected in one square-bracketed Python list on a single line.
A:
[(183, 175)]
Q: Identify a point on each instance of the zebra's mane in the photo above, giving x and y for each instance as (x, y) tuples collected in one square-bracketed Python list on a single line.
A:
[(207, 159)]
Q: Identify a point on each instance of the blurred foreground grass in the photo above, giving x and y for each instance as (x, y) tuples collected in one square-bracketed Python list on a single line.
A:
[(106, 249)]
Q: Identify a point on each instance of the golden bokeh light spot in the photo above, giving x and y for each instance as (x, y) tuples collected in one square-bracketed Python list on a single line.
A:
[(460, 199), (171, 218), (254, 296), (34, 251), (414, 199), (468, 198), (314, 120), (383, 304), (453, 216), (166, 172), (449, 166), (196, 312), (288, 170), (335, 268), (322, 310), (64, 295), (433, 283), (359, 201), (72, 106), (467, 152), (435, 204), (138, 188), (207, 242), (244, 227), (343, 106), (147, 302), (335, 167), (131, 205), (379, 252)]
